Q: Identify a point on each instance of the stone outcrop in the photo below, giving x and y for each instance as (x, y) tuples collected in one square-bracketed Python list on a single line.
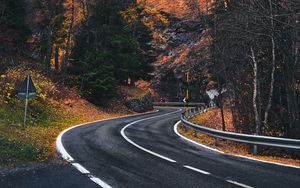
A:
[(141, 104)]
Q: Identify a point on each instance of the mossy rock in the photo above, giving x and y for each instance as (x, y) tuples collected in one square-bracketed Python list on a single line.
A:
[(141, 104)]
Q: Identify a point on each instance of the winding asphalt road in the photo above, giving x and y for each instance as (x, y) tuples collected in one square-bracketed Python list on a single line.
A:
[(143, 151)]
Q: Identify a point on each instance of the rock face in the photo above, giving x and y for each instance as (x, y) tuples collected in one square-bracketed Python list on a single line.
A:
[(142, 104)]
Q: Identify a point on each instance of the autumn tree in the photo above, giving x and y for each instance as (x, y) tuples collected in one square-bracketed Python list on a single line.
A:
[(48, 29), (255, 51)]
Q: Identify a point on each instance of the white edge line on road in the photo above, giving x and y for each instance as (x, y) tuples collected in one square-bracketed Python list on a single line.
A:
[(239, 184), (65, 155), (216, 150), (142, 148), (99, 182), (193, 141), (80, 168), (196, 169)]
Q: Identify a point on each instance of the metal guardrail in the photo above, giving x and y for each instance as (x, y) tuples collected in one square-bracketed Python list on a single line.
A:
[(181, 104), (244, 138)]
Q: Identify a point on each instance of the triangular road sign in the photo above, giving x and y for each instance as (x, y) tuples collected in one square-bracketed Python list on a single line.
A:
[(27, 88)]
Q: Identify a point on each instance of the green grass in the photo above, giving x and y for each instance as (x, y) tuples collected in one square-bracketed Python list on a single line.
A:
[(45, 118), (39, 113), (33, 143), (15, 151)]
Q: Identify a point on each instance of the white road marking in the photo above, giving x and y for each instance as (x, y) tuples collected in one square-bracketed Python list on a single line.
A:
[(216, 150), (65, 155), (207, 173), (142, 148), (99, 182), (196, 169), (193, 141), (80, 168), (239, 184), (61, 149)]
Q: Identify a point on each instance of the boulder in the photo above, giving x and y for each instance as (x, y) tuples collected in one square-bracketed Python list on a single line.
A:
[(142, 104)]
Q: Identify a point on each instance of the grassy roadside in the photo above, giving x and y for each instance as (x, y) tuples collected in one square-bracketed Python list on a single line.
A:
[(211, 118), (55, 108), (37, 141)]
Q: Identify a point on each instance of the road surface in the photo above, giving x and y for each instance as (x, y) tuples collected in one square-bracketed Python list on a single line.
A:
[(149, 154), (143, 151)]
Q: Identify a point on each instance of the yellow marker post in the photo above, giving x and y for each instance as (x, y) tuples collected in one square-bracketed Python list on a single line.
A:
[(187, 93)]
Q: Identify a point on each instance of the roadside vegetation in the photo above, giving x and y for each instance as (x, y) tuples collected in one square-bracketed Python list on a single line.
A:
[(83, 53), (212, 118), (79, 54), (55, 108)]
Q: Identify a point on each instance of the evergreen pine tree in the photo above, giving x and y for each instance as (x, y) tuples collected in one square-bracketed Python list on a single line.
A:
[(13, 29)]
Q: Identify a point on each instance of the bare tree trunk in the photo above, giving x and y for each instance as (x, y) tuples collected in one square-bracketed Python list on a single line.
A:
[(295, 114), (271, 84), (233, 112), (222, 114), (289, 106), (68, 45), (56, 55), (47, 58), (293, 128), (273, 68), (255, 93), (221, 104), (49, 46)]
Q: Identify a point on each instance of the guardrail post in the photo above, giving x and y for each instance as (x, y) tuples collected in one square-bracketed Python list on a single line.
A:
[(217, 139), (253, 140), (186, 113), (254, 150)]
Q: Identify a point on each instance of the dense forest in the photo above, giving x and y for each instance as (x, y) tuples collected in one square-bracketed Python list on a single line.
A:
[(89, 43), (246, 50), (255, 56)]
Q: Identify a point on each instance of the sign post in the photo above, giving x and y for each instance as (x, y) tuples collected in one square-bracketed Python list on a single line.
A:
[(187, 91), (27, 91)]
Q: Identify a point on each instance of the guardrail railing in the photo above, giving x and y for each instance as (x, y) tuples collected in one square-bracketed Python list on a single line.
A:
[(244, 138), (190, 104)]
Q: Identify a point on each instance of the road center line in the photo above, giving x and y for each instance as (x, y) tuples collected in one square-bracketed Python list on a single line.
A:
[(99, 182), (80, 168), (65, 155), (196, 169), (142, 148), (239, 184)]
